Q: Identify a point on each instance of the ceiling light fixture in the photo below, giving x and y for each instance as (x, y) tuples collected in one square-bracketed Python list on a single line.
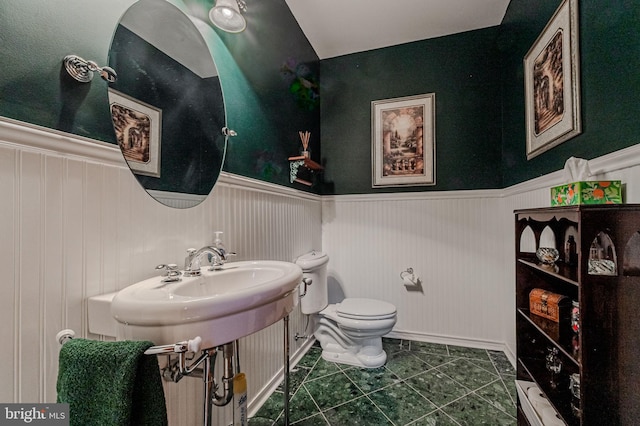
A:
[(226, 15)]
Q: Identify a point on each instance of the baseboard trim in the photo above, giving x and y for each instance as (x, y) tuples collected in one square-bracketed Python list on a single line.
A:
[(454, 341)]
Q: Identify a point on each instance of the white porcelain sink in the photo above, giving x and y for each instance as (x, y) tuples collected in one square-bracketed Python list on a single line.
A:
[(219, 306)]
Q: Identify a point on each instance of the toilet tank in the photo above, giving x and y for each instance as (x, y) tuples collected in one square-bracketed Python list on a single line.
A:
[(314, 267)]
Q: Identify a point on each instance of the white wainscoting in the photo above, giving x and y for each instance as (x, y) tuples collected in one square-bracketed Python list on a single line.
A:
[(460, 243), (75, 223)]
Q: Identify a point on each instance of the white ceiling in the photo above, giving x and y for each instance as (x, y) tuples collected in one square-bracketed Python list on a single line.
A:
[(341, 27)]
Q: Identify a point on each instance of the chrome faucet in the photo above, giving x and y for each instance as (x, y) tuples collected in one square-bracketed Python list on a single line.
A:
[(216, 256)]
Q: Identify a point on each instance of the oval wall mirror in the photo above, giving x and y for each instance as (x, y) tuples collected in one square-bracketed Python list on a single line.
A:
[(167, 105)]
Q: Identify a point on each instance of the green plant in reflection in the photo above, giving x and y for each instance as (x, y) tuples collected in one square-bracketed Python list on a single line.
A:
[(267, 165), (302, 84)]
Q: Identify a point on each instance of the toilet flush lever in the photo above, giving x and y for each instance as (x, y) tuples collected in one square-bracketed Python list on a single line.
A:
[(306, 282)]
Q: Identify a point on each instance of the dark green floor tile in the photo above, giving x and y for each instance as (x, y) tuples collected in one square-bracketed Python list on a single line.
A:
[(405, 364), (272, 407), (259, 421), (360, 411), (502, 363), (434, 359), (309, 359), (510, 384), (370, 379), (401, 404), (437, 418), (323, 368), (332, 390), (296, 377), (434, 348), (437, 387), (415, 387), (302, 406), (473, 411), (467, 373), (317, 420), (469, 352), (391, 346), (498, 396)]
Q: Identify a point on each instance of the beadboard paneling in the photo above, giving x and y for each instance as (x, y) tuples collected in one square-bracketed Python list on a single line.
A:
[(454, 244), (76, 223)]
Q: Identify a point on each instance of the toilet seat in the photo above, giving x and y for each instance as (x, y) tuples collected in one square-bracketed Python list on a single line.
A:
[(365, 309)]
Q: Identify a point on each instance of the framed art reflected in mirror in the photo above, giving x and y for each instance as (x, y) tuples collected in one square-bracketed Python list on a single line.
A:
[(138, 131)]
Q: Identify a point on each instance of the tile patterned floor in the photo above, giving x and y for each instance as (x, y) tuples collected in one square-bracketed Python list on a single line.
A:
[(421, 384)]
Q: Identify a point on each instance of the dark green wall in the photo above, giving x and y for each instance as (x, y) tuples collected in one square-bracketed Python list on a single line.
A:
[(461, 69), (259, 99), (478, 79), (34, 38), (610, 58), (36, 35)]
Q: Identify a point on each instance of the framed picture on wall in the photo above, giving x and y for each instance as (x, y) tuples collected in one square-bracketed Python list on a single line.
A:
[(552, 82), (138, 131), (403, 141)]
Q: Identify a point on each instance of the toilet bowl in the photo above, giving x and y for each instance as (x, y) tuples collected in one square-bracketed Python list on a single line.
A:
[(350, 332)]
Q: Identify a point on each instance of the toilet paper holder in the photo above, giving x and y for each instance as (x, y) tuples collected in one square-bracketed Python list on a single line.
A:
[(411, 282)]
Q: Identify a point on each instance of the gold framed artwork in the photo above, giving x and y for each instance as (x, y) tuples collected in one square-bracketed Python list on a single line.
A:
[(138, 129), (552, 82), (403, 141)]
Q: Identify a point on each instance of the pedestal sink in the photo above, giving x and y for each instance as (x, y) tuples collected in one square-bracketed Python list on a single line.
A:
[(219, 306)]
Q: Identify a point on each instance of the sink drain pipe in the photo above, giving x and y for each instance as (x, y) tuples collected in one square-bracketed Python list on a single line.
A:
[(203, 367)]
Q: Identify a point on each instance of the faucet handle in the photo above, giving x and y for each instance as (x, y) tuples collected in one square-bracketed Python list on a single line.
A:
[(171, 273), (168, 267)]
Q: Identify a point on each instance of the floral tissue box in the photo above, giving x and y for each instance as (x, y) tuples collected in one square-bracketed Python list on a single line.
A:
[(587, 192)]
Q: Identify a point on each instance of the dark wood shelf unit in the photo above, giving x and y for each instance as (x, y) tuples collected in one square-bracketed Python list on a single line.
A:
[(606, 351)]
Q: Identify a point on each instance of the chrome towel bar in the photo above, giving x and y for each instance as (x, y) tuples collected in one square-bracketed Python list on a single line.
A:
[(192, 345)]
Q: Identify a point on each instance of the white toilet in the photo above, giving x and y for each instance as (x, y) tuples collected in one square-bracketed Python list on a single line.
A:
[(349, 332)]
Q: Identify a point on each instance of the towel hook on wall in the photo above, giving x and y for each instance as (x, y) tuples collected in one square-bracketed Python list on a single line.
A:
[(83, 70), (64, 336)]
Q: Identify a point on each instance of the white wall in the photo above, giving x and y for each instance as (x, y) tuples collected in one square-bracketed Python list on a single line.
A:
[(77, 224)]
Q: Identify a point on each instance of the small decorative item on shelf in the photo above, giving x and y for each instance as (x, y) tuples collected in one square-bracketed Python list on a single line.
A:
[(304, 138), (575, 316), (547, 255), (554, 366), (570, 251), (302, 167), (587, 192), (546, 304)]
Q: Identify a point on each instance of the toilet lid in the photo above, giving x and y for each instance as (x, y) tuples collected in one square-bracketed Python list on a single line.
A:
[(365, 309)]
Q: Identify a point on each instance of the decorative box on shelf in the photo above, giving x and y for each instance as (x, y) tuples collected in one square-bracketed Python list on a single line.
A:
[(549, 305), (302, 169), (587, 192)]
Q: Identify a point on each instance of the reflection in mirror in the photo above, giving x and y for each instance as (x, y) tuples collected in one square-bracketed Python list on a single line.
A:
[(602, 256), (167, 105)]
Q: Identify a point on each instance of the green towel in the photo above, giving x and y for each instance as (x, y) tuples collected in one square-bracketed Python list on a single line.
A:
[(110, 383)]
